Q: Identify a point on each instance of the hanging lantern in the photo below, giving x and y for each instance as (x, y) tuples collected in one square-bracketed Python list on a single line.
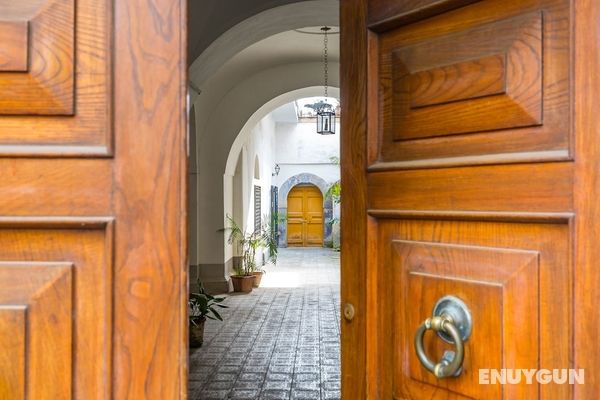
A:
[(326, 113), (326, 121)]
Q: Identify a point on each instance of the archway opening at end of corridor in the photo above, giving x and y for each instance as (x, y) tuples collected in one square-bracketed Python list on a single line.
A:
[(300, 195)]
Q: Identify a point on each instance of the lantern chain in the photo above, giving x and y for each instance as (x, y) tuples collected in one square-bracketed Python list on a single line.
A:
[(326, 58)]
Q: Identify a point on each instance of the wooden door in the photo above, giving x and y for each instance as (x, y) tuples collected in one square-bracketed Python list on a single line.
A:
[(92, 199), (470, 154), (305, 217)]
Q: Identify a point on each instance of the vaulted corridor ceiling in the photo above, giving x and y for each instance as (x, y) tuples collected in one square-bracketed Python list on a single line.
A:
[(208, 19)]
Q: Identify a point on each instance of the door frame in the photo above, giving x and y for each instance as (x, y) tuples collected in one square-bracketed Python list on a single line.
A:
[(287, 186), (304, 241), (354, 230), (150, 335)]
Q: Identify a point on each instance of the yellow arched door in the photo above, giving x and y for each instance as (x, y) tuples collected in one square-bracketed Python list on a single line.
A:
[(305, 217)]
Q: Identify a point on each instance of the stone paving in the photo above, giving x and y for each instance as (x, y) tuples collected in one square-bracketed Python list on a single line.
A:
[(279, 342)]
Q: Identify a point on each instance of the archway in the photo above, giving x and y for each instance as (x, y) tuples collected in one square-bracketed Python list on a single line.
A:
[(284, 190), (231, 101), (236, 146), (218, 153)]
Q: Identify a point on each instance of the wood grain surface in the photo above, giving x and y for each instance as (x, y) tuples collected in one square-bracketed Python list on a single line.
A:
[(63, 104), (98, 185), (527, 120), (496, 208), (353, 56), (14, 48), (150, 173)]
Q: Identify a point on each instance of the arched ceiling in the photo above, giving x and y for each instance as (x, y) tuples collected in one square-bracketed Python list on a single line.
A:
[(267, 25), (283, 48), (209, 19)]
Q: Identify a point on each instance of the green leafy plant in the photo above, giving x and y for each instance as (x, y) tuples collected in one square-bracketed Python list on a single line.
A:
[(319, 106), (250, 243), (334, 192), (202, 305)]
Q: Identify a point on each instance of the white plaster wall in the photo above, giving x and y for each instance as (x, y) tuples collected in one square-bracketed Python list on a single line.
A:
[(237, 198), (259, 143), (300, 149), (300, 143)]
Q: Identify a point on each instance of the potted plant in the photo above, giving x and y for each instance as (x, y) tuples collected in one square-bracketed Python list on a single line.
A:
[(202, 306), (247, 273)]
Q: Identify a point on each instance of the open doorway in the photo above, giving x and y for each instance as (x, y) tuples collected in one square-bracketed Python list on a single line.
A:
[(257, 149)]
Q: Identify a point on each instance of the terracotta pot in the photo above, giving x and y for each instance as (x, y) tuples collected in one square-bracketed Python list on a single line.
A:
[(197, 333), (257, 278), (242, 283)]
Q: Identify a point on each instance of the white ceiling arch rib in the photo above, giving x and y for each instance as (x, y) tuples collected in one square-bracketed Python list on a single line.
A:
[(263, 112)]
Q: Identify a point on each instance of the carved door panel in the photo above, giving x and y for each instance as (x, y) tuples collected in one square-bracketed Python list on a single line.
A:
[(295, 218), (471, 155), (314, 216), (92, 199)]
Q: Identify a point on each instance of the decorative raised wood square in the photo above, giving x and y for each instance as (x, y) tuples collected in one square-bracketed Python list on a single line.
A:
[(55, 308), (36, 317), (484, 79), (501, 288), (478, 85), (48, 86), (511, 269), (14, 46), (55, 77), (12, 357), (465, 80)]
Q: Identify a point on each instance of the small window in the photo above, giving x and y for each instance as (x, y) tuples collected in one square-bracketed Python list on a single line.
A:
[(257, 208)]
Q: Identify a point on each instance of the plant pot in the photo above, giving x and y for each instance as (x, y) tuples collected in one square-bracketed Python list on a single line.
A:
[(197, 333), (257, 278), (242, 283)]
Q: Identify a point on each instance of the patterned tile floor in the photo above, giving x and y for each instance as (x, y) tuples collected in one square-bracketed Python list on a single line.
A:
[(279, 342)]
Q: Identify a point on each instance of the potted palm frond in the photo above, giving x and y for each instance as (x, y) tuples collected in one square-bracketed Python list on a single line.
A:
[(202, 306), (247, 273), (334, 192)]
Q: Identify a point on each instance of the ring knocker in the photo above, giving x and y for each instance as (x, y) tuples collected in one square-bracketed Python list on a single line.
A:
[(452, 322)]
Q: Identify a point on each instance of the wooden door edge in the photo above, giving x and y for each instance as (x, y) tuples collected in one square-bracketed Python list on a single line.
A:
[(353, 52)]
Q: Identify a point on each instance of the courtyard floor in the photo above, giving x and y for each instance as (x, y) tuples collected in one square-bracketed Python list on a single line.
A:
[(279, 342)]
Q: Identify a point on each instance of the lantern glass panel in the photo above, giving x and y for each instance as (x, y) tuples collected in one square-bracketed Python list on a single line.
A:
[(326, 123)]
